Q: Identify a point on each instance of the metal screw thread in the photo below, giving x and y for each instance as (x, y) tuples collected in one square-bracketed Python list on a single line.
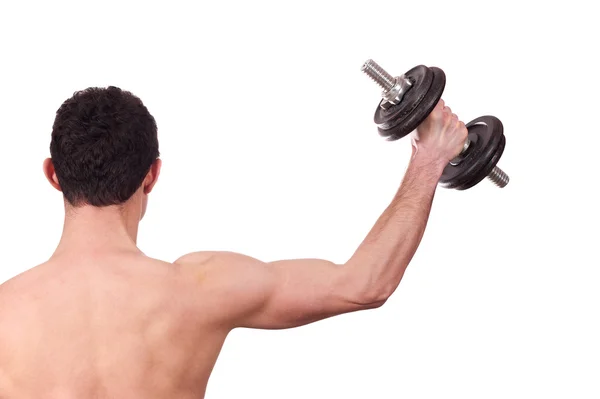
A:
[(379, 75), (498, 177)]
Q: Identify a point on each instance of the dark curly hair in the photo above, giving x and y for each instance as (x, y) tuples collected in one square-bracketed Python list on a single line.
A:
[(104, 142)]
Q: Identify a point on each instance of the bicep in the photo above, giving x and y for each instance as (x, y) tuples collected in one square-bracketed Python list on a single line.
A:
[(302, 291), (281, 294)]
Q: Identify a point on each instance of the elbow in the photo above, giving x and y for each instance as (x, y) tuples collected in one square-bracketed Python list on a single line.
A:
[(367, 293), (372, 297), (375, 299)]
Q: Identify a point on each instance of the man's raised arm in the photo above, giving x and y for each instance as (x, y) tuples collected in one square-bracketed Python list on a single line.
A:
[(290, 293)]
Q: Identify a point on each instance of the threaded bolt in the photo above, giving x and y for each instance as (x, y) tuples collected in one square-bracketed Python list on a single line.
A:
[(379, 75), (498, 177)]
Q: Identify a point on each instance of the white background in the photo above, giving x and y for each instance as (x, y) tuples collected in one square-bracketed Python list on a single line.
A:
[(269, 149)]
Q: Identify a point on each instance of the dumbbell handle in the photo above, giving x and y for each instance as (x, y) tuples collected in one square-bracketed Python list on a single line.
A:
[(399, 85)]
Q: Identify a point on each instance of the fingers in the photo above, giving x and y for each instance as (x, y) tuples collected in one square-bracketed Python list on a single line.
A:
[(449, 120), (444, 113), (463, 129), (439, 109), (457, 124), (445, 110), (450, 116), (438, 112)]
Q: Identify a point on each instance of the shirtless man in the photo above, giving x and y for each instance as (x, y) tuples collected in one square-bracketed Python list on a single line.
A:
[(100, 319)]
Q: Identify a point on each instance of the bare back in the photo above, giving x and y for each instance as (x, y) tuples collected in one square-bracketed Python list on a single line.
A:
[(108, 322), (118, 326)]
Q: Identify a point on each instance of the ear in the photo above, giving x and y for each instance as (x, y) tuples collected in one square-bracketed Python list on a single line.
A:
[(50, 173), (152, 176)]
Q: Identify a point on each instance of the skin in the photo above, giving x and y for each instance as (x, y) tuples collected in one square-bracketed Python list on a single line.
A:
[(100, 319)]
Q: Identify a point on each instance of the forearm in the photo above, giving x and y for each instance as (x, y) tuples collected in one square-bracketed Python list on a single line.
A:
[(379, 263)]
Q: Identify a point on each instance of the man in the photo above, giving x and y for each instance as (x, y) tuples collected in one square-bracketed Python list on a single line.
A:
[(100, 319)]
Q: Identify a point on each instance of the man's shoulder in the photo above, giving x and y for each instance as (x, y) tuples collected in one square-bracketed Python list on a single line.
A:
[(15, 283), (19, 292), (198, 257), (217, 266), (210, 257)]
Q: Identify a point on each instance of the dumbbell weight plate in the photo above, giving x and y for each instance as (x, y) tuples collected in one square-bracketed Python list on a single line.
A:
[(487, 145), (482, 174), (419, 100)]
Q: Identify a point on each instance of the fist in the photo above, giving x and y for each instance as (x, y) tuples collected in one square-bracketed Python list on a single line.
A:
[(441, 136)]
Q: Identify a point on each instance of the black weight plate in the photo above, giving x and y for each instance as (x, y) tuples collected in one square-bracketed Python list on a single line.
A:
[(485, 171), (415, 118), (388, 120), (487, 143), (421, 78)]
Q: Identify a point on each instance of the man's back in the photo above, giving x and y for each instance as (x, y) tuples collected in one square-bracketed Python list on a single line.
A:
[(108, 326)]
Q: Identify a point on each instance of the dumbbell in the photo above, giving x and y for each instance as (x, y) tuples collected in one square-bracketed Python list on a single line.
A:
[(406, 102)]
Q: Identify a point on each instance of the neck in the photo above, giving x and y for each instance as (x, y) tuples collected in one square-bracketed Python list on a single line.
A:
[(89, 230)]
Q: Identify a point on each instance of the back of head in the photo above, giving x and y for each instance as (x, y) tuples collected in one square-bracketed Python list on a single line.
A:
[(104, 141)]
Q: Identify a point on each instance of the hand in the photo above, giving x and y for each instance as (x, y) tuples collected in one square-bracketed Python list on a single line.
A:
[(441, 136)]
